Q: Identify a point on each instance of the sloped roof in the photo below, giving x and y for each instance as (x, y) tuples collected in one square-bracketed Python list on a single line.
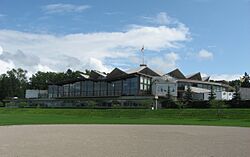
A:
[(94, 74), (85, 76), (116, 73), (176, 74), (144, 70), (196, 76), (205, 78)]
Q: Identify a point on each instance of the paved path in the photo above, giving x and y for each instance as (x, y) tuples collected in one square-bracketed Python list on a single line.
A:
[(123, 141)]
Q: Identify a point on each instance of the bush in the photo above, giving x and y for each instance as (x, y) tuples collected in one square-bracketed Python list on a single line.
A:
[(239, 104), (198, 104), (23, 104), (169, 104), (2, 104), (91, 104), (11, 104)]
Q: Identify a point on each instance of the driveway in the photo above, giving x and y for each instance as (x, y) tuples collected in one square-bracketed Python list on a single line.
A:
[(123, 141)]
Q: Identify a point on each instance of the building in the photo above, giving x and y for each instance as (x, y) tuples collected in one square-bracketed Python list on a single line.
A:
[(117, 83), (35, 94), (200, 86), (139, 83), (244, 93)]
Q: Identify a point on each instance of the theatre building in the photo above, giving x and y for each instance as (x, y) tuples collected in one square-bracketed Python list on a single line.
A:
[(117, 83)]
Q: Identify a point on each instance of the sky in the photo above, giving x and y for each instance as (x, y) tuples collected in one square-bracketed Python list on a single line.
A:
[(207, 36)]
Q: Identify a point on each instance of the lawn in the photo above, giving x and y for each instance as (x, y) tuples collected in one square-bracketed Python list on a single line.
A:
[(228, 117)]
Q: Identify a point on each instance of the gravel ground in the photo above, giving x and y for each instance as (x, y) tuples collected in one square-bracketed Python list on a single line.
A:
[(123, 141)]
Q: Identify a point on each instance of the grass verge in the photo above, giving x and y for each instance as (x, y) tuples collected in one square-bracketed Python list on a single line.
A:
[(228, 117)]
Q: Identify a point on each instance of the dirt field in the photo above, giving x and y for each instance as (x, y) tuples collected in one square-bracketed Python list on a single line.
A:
[(123, 141)]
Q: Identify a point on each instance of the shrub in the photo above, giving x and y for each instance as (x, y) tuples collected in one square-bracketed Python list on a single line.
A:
[(23, 104), (168, 103), (2, 104)]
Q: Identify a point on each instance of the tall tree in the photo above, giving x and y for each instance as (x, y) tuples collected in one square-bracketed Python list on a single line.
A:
[(245, 81), (13, 83), (188, 97), (212, 95)]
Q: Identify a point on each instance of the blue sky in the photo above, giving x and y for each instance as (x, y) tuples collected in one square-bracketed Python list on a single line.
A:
[(211, 36)]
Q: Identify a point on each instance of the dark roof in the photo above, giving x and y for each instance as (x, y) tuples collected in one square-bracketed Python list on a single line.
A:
[(144, 70), (196, 76), (176, 74), (96, 75), (116, 73)]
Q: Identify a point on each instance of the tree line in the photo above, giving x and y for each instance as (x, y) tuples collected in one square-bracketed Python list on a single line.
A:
[(14, 82)]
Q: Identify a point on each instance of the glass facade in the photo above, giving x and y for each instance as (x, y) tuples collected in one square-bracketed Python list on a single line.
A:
[(216, 88), (102, 88), (145, 85)]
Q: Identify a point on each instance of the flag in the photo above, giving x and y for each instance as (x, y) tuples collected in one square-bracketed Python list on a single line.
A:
[(142, 49)]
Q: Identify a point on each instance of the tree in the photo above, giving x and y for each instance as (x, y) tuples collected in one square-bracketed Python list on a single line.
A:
[(218, 105), (245, 81), (236, 97), (168, 95), (212, 95), (168, 102), (188, 97), (234, 83), (13, 83)]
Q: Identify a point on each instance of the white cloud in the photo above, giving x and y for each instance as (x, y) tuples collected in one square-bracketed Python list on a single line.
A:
[(1, 50), (204, 54), (58, 53), (62, 8), (162, 18), (5, 66), (165, 63), (227, 77)]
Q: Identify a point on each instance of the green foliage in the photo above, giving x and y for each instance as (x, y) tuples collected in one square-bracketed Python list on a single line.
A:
[(145, 103), (188, 97), (212, 95), (11, 105), (13, 83), (236, 97), (2, 104), (22, 104), (245, 81), (180, 104), (218, 105), (91, 104), (40, 80)]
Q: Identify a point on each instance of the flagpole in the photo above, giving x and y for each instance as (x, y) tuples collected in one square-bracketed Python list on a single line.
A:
[(143, 57), (142, 50)]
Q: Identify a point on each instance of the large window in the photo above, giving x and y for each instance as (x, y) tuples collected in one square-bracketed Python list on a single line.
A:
[(118, 88), (145, 83), (111, 86), (77, 89), (66, 90), (90, 88)]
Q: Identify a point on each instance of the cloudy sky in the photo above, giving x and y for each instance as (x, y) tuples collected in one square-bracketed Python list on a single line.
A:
[(211, 36)]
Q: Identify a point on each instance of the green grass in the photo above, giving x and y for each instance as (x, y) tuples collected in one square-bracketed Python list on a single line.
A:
[(229, 117)]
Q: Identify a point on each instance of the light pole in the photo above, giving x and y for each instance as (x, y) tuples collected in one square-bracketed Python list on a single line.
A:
[(156, 103)]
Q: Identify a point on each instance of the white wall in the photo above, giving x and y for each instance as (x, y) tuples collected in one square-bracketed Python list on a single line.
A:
[(220, 95), (161, 89), (245, 93)]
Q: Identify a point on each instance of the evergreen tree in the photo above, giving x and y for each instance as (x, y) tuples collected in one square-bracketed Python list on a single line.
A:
[(236, 97), (212, 95), (245, 81), (168, 95), (188, 97)]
